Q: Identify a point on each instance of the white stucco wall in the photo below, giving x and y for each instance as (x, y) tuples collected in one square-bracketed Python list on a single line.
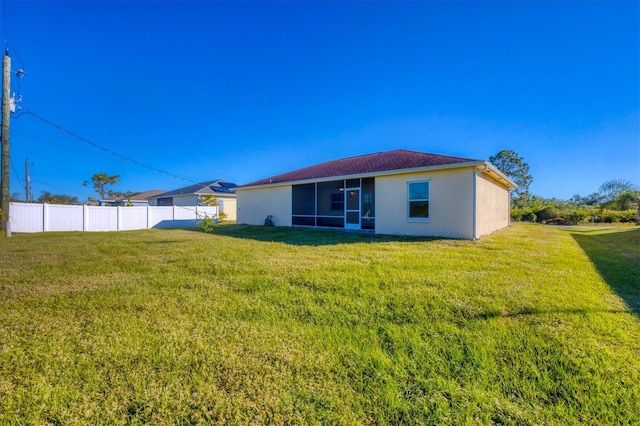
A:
[(450, 204), (254, 205), (492, 206)]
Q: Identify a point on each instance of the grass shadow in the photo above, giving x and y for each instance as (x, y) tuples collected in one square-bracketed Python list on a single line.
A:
[(309, 236), (536, 311), (616, 255)]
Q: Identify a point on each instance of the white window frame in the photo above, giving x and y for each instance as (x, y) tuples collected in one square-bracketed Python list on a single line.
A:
[(418, 219)]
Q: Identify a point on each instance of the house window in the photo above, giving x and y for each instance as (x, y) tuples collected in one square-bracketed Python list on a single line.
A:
[(418, 200), (167, 201)]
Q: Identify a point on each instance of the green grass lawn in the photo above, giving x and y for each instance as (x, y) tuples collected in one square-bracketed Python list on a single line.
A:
[(253, 325)]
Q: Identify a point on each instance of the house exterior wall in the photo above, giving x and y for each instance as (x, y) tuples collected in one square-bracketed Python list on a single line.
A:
[(450, 204), (463, 203), (228, 205), (492, 206), (185, 200), (254, 205)]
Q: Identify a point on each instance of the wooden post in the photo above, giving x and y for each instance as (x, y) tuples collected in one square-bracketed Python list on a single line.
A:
[(6, 114)]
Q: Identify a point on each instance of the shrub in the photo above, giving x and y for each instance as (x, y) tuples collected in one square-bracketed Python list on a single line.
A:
[(576, 216), (615, 216), (207, 223), (564, 214), (523, 215), (548, 214)]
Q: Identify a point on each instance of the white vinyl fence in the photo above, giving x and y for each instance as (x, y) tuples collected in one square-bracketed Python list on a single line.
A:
[(27, 217)]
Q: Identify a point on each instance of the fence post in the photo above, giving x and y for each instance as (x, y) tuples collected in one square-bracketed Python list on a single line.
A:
[(85, 217), (148, 218), (174, 213), (45, 217), (118, 218)]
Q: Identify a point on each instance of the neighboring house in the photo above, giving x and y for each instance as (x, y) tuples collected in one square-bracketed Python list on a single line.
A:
[(138, 200), (396, 192), (223, 191)]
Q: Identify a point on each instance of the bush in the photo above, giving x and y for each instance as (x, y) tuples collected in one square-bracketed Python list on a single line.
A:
[(564, 215), (547, 214), (207, 223), (577, 216), (523, 215), (618, 216)]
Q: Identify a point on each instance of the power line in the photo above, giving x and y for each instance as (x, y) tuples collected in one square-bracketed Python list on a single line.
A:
[(59, 187), (14, 170), (107, 150)]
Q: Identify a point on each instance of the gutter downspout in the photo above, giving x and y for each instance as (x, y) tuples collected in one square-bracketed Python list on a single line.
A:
[(475, 199)]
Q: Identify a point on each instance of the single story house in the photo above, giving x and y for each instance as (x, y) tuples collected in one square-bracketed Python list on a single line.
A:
[(138, 200), (397, 192), (194, 195)]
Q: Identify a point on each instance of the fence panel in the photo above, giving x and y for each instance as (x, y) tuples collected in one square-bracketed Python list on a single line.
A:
[(184, 212), (63, 218), (133, 218), (27, 217), (210, 211), (159, 215), (101, 219)]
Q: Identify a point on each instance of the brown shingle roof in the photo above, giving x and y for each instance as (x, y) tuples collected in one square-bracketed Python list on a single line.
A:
[(398, 159)]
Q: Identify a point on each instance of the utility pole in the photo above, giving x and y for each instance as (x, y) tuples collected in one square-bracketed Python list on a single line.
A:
[(6, 114), (26, 180)]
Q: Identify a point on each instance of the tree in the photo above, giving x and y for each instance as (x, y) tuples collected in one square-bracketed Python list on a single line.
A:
[(514, 166), (100, 181), (616, 192), (47, 197), (128, 194), (621, 194)]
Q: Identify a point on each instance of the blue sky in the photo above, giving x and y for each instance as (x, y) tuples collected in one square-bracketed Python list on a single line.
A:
[(246, 90)]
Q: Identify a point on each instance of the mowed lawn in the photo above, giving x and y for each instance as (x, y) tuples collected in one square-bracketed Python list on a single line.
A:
[(255, 325)]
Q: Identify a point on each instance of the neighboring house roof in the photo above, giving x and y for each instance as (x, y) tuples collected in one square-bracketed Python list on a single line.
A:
[(214, 187), (143, 196), (398, 159)]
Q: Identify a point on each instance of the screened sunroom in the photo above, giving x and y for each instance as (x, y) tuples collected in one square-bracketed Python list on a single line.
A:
[(344, 203)]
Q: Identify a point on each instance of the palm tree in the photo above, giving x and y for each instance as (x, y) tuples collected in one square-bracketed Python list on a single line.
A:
[(621, 194)]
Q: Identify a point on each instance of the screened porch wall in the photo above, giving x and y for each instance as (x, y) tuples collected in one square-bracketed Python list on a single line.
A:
[(323, 203)]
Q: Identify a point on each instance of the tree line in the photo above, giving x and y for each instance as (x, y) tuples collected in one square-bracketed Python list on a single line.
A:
[(616, 200), (99, 181)]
